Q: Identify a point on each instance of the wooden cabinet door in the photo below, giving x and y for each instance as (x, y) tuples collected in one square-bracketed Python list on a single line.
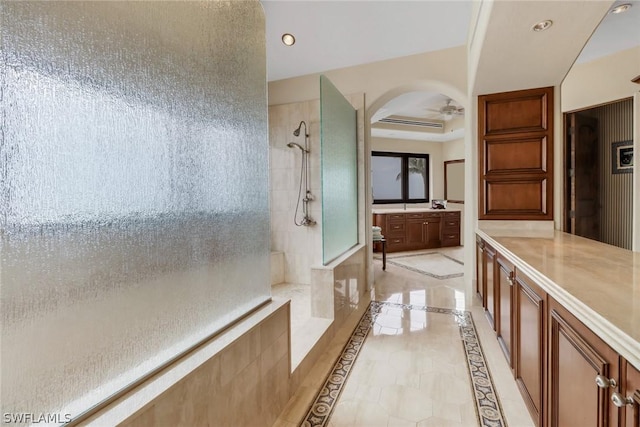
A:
[(515, 155), (489, 275), (530, 345), (505, 275), (431, 229), (576, 357), (415, 233), (480, 270), (632, 395)]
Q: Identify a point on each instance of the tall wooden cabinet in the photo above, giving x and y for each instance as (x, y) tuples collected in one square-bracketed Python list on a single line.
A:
[(515, 152)]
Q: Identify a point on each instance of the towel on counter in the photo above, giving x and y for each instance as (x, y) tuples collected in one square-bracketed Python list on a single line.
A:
[(377, 233)]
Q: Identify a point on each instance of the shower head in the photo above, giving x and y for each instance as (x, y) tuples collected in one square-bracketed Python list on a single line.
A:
[(293, 144), (297, 131)]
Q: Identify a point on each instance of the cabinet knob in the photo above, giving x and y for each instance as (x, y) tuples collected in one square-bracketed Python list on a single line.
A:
[(620, 401), (604, 382)]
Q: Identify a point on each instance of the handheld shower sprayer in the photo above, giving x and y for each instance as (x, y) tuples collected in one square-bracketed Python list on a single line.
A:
[(293, 144)]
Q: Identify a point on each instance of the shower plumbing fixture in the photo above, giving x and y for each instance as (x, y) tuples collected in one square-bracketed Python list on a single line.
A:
[(304, 177), (293, 144)]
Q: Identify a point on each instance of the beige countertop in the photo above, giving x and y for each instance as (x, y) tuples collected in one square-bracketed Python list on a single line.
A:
[(598, 283), (410, 210)]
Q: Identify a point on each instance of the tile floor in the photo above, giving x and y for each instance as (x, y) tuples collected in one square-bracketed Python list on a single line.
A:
[(393, 382)]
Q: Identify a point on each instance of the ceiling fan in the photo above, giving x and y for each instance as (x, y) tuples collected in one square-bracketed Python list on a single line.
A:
[(448, 111)]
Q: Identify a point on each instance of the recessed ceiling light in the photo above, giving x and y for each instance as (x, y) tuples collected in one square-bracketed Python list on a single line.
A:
[(288, 39), (542, 25), (621, 8)]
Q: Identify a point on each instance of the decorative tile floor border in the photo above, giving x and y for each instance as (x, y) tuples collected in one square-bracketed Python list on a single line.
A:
[(390, 260), (488, 409)]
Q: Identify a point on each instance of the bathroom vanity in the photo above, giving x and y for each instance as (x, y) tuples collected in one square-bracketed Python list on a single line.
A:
[(415, 228), (566, 312)]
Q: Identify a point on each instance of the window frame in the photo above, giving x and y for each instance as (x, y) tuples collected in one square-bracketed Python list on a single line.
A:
[(404, 177)]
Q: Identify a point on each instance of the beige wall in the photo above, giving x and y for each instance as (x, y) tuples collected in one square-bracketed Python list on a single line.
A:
[(444, 68), (602, 80), (453, 150)]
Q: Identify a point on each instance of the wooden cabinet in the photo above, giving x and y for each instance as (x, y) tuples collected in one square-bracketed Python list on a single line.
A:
[(419, 230), (576, 357), (489, 283), (530, 344), (480, 270), (567, 375), (431, 230), (504, 280), (630, 398), (515, 154), (450, 229)]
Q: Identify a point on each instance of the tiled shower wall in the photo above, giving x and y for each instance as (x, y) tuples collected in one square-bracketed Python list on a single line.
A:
[(302, 246)]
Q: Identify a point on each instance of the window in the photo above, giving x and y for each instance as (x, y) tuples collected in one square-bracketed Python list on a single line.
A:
[(399, 177)]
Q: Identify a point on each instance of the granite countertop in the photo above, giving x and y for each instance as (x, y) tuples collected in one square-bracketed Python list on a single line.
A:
[(410, 210), (598, 283)]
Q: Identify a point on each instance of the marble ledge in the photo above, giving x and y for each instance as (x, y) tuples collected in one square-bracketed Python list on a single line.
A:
[(134, 401), (596, 282)]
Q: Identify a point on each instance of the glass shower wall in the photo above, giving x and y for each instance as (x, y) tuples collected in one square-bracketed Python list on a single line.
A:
[(134, 190), (339, 169)]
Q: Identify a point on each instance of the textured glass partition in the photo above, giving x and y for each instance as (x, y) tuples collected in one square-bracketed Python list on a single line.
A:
[(134, 191), (339, 172)]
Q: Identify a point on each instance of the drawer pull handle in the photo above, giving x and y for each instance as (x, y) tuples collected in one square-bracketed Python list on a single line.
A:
[(620, 401), (604, 382)]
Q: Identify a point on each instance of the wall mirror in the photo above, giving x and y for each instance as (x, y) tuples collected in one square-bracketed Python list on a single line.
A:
[(454, 181)]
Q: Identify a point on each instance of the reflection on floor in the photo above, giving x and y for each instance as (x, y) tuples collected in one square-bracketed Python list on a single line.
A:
[(396, 391)]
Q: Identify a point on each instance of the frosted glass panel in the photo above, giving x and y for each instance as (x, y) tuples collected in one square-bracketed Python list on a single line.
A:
[(134, 171), (339, 172)]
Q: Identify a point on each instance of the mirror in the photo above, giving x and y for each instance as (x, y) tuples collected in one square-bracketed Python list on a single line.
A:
[(454, 181)]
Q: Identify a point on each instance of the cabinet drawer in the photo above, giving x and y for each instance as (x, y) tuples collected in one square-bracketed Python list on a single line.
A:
[(395, 217), (450, 240), (451, 223), (433, 215), (450, 236), (418, 215), (395, 241), (452, 215), (394, 228)]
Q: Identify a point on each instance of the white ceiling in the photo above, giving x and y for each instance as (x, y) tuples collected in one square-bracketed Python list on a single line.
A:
[(337, 34)]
